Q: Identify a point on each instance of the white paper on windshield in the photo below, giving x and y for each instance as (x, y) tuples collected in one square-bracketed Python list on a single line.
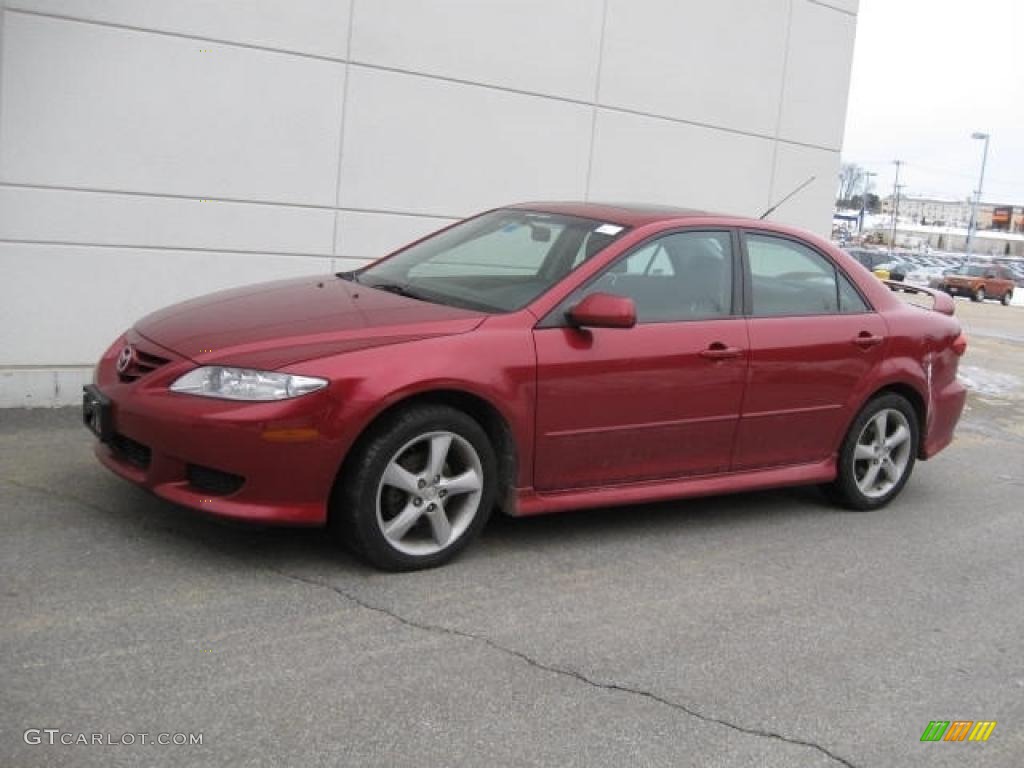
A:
[(608, 229)]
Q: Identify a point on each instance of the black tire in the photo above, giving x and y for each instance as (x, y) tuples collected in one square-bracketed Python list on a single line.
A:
[(1007, 298), (844, 490), (354, 512), (979, 295)]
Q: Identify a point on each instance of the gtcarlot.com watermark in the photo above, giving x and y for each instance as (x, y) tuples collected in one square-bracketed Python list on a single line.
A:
[(55, 736)]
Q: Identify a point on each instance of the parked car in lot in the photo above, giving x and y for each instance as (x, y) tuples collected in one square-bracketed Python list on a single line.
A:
[(923, 276), (980, 282), (869, 257), (535, 358), (893, 270)]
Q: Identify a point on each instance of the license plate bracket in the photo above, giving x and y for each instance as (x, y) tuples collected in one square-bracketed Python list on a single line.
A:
[(97, 413)]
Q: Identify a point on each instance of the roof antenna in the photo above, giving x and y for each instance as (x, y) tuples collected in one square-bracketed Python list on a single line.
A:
[(787, 197)]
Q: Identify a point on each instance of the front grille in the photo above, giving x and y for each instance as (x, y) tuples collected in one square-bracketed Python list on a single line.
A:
[(143, 362), (213, 481), (130, 451)]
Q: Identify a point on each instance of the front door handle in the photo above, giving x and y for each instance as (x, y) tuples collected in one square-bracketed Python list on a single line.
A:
[(866, 340), (719, 351)]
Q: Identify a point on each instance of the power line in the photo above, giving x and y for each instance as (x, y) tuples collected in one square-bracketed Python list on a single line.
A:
[(937, 171)]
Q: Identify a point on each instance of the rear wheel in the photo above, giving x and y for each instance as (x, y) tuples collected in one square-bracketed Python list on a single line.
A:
[(1007, 298), (418, 490), (877, 455), (979, 295)]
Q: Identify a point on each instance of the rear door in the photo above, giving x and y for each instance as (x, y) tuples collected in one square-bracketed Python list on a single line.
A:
[(659, 400), (813, 337)]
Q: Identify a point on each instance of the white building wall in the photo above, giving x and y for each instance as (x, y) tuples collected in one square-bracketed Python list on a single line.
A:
[(151, 151)]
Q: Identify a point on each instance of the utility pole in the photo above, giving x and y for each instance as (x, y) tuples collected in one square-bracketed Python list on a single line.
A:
[(895, 204), (973, 223), (864, 199), (899, 196)]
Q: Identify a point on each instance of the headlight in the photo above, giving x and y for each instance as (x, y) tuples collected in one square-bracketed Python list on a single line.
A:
[(245, 384)]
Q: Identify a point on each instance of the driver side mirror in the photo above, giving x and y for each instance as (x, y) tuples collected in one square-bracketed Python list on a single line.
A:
[(603, 310)]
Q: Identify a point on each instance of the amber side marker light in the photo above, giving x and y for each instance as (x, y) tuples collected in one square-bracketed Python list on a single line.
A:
[(960, 345), (293, 435)]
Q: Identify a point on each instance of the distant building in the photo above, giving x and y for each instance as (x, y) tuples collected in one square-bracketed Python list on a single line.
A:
[(957, 213), (934, 211)]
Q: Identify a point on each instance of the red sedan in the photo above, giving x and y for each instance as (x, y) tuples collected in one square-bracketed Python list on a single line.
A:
[(535, 358)]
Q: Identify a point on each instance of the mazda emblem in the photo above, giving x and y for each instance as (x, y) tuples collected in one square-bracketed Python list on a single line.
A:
[(125, 358)]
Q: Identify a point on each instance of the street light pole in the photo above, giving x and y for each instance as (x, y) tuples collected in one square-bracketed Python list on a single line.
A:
[(895, 198), (973, 223), (864, 198)]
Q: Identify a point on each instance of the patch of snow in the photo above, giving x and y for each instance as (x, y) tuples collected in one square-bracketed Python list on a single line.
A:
[(986, 382)]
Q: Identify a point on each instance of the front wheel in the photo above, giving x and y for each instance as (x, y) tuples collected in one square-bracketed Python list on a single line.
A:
[(418, 489), (877, 455), (1007, 298), (979, 295)]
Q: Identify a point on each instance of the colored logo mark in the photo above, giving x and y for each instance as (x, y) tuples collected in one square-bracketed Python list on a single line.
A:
[(958, 730)]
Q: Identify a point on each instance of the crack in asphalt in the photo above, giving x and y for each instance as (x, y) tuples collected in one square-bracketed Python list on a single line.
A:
[(524, 657), (562, 671)]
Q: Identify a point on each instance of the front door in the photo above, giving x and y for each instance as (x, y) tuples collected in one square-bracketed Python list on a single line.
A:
[(659, 400)]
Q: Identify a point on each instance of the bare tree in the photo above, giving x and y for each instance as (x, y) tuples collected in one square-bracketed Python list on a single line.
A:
[(851, 176)]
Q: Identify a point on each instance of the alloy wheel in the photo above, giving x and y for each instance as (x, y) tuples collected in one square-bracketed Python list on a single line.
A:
[(882, 453), (429, 493)]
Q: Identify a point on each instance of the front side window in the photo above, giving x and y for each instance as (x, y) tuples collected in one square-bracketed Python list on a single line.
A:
[(676, 277), (498, 262), (788, 278)]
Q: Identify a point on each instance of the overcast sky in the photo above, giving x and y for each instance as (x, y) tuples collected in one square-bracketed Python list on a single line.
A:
[(927, 74)]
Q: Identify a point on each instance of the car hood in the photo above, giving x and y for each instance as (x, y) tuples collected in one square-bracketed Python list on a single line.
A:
[(270, 325)]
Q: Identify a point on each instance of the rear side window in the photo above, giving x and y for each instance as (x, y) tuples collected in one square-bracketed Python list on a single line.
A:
[(788, 278)]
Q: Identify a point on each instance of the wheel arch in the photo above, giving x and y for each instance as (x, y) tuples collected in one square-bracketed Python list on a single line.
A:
[(485, 413), (911, 395)]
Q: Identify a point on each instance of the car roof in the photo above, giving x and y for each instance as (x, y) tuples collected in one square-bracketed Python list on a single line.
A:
[(626, 214)]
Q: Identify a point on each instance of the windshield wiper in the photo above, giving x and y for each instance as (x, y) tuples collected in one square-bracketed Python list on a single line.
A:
[(401, 290)]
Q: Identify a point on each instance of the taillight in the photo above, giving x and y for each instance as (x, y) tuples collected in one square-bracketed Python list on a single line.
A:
[(960, 345)]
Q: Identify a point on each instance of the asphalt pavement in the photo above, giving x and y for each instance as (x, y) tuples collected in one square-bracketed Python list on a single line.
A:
[(764, 629)]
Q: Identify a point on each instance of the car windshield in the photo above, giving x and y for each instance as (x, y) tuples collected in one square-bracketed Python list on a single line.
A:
[(977, 271), (498, 262)]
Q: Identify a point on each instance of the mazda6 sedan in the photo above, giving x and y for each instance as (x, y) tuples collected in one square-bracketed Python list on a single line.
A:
[(533, 359)]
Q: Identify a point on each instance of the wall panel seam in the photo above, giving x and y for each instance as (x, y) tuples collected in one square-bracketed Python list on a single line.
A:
[(3, 15), (185, 249), (229, 200), (141, 247), (597, 93), (46, 367), (341, 130), (782, 100), (447, 79), (182, 35), (843, 11)]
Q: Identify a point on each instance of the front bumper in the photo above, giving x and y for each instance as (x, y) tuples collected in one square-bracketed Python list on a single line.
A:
[(259, 462)]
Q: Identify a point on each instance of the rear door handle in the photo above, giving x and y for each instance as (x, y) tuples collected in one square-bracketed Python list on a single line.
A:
[(866, 340), (719, 351)]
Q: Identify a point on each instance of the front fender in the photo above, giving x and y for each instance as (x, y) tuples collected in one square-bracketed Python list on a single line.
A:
[(496, 365)]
